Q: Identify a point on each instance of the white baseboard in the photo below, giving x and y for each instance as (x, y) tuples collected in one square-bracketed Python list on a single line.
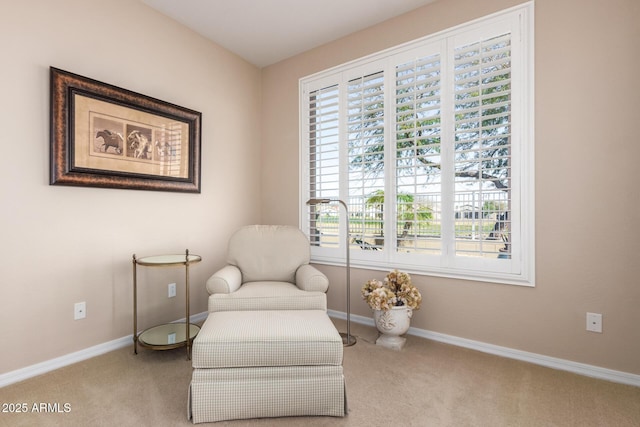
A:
[(59, 362), (78, 356), (537, 359)]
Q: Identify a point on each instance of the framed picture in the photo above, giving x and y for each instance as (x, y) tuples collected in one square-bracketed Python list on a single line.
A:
[(106, 136)]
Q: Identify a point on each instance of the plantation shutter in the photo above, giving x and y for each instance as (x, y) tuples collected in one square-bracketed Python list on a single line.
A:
[(322, 130), (418, 128), (365, 159), (482, 147)]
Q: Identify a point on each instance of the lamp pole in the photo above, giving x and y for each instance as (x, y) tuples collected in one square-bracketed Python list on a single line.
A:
[(347, 339)]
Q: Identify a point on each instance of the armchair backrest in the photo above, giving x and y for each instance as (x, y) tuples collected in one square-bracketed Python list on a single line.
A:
[(268, 252)]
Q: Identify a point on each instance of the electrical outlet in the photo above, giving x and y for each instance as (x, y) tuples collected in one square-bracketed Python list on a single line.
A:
[(172, 290), (79, 310), (594, 322)]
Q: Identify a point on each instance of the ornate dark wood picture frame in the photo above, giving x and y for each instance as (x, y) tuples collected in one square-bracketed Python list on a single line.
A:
[(106, 136)]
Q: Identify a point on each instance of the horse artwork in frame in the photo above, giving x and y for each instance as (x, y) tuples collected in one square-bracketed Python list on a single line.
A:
[(106, 136)]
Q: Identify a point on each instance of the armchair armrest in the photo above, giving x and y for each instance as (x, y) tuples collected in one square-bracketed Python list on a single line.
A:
[(309, 278), (226, 280)]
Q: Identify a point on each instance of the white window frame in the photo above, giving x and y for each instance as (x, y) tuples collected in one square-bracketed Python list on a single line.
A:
[(520, 269)]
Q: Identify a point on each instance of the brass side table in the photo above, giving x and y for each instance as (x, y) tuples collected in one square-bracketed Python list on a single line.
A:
[(170, 335)]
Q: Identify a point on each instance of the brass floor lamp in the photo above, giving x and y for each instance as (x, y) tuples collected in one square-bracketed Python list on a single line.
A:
[(347, 339)]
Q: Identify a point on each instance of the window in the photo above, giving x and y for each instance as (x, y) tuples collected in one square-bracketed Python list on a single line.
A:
[(430, 146)]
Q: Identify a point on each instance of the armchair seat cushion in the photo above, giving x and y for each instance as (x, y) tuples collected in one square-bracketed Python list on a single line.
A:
[(266, 295)]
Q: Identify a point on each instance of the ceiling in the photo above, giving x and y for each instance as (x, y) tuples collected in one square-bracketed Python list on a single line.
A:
[(264, 32)]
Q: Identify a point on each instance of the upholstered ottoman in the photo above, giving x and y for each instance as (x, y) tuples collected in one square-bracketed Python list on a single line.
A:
[(255, 364)]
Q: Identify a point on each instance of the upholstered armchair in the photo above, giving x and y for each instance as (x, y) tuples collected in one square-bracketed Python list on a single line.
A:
[(268, 269)]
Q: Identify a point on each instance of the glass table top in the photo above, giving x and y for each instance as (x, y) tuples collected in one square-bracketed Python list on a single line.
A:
[(177, 259), (167, 334)]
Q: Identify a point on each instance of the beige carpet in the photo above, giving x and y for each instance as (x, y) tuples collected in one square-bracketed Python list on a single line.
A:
[(426, 384)]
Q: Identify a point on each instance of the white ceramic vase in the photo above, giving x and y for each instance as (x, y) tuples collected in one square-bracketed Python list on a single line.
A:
[(392, 324)]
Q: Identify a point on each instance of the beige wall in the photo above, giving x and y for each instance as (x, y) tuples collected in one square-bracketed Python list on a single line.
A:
[(61, 245), (587, 203)]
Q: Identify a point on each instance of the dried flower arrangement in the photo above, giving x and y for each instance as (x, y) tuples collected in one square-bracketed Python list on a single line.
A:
[(396, 290)]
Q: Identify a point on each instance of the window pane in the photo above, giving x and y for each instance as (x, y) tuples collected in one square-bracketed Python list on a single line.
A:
[(365, 140), (323, 134), (418, 127), (482, 158)]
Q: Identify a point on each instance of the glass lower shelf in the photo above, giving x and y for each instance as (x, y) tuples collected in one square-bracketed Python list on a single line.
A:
[(167, 336)]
